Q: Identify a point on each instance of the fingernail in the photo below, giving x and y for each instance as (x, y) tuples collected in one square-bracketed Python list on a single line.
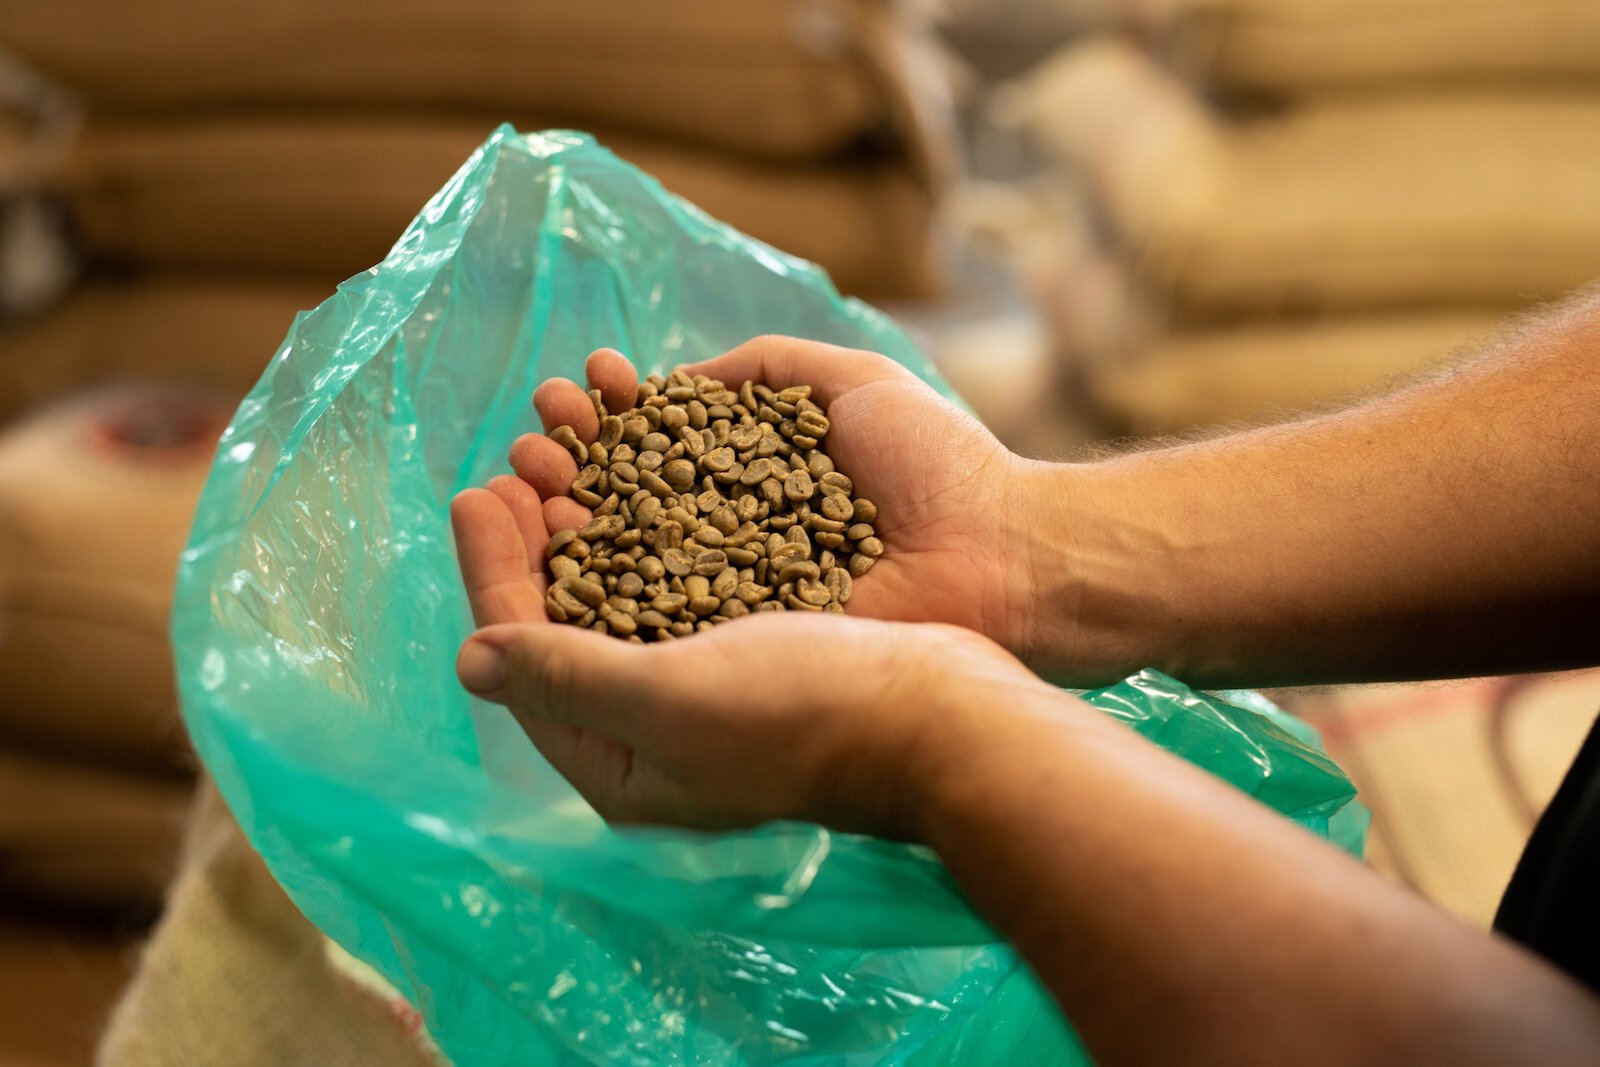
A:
[(482, 667)]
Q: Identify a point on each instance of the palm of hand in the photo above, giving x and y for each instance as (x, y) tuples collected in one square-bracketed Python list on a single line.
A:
[(943, 486), (944, 489)]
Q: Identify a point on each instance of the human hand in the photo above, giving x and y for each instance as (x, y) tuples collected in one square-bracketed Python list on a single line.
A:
[(740, 725), (948, 493), (776, 715)]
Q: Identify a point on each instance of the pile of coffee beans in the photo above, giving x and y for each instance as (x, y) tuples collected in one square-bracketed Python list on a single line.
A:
[(709, 503)]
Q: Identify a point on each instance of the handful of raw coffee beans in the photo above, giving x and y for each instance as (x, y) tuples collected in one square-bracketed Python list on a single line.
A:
[(709, 503)]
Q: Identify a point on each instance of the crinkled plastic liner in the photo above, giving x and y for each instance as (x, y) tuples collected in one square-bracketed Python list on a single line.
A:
[(319, 611)]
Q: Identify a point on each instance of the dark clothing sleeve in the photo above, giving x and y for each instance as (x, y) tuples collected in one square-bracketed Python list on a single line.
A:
[(1552, 905)]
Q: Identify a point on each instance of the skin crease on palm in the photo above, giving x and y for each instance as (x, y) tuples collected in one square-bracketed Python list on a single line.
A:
[(896, 438)]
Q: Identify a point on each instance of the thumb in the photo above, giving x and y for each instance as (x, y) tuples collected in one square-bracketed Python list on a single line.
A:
[(560, 674)]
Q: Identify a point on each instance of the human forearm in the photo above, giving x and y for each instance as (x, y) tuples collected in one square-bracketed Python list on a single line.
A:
[(1177, 921), (1451, 528)]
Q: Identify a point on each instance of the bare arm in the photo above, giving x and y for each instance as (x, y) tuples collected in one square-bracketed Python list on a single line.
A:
[(1193, 926), (1196, 927), (1174, 919), (1449, 529)]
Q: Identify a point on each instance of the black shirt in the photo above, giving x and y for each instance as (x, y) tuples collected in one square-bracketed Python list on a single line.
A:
[(1552, 904)]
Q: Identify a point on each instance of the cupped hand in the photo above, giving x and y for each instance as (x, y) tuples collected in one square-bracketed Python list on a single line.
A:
[(948, 494), (789, 715), (841, 721)]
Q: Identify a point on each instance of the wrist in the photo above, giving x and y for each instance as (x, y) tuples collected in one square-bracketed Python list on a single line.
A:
[(983, 739), (1090, 572)]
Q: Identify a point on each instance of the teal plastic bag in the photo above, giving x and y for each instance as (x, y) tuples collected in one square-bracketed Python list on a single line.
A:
[(318, 614)]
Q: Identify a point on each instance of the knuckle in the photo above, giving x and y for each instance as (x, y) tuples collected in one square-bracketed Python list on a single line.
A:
[(769, 342)]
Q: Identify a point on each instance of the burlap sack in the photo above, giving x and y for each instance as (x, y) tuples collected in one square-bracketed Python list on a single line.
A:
[(1373, 202), (183, 330), (1258, 371), (84, 837), (235, 976), (96, 494), (327, 196), (1294, 47), (797, 79)]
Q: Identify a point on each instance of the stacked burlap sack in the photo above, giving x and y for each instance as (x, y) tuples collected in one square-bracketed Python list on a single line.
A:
[(302, 137), (227, 169), (1288, 201)]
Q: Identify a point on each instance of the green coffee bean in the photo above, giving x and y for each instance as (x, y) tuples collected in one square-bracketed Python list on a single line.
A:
[(669, 535), (679, 474), (813, 592), (634, 427), (590, 592), (798, 486), (756, 471), (800, 568), (711, 561), (567, 438), (669, 603), (558, 541), (652, 481), (786, 553), (834, 482), (836, 506), (563, 601)]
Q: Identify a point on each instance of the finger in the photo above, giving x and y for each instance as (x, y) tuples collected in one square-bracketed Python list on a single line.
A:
[(543, 464), (565, 675), (560, 402), (565, 513), (614, 375), (528, 512), (494, 560), (777, 362)]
